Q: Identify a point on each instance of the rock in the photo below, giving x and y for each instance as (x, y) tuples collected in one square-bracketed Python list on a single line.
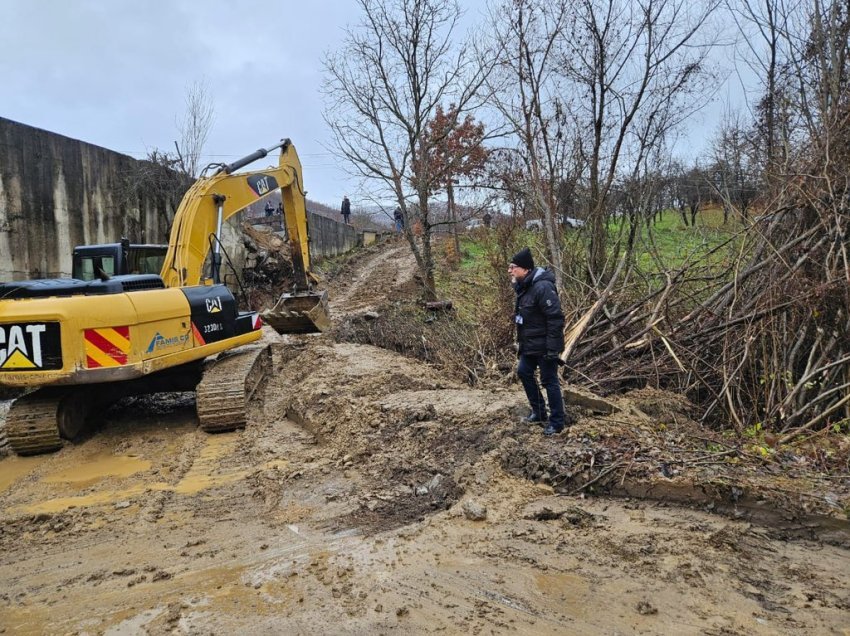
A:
[(545, 514), (646, 608), (434, 483), (474, 511), (371, 315), (121, 505), (439, 305), (590, 401), (124, 572)]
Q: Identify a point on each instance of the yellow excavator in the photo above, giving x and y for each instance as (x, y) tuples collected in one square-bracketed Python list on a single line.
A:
[(84, 344)]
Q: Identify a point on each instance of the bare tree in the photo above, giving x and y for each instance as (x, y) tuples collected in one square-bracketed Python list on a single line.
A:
[(595, 86), (762, 344), (162, 178), (384, 85), (761, 25), (194, 127), (636, 64), (733, 175), (527, 35)]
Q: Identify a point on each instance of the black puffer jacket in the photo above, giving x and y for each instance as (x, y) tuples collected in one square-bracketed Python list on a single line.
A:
[(539, 319)]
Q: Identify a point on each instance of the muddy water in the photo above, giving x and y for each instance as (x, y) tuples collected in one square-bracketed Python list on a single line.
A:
[(204, 474), (95, 468), (13, 468)]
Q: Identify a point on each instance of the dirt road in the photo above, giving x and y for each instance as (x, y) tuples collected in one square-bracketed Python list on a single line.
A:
[(368, 495)]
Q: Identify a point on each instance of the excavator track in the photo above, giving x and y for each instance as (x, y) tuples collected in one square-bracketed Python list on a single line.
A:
[(32, 423), (228, 385)]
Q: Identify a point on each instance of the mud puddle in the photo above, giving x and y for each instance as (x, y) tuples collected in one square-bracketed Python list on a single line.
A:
[(14, 468)]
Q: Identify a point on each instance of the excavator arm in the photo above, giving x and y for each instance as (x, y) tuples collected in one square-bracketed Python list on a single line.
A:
[(213, 200)]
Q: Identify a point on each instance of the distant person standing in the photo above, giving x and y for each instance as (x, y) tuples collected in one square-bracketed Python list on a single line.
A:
[(487, 218), (398, 217), (269, 208), (345, 210)]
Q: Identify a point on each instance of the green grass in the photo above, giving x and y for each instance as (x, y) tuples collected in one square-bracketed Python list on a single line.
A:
[(472, 253), (666, 246), (670, 244), (673, 242)]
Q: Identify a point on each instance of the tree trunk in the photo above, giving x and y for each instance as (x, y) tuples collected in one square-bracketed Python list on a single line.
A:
[(598, 240), (427, 268), (453, 217)]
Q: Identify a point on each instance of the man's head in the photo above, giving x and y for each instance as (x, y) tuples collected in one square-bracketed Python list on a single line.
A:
[(521, 263)]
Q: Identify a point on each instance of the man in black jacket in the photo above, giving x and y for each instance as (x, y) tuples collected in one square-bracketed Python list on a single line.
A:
[(540, 335)]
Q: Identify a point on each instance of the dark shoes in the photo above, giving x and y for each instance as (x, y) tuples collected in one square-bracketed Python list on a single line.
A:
[(551, 429)]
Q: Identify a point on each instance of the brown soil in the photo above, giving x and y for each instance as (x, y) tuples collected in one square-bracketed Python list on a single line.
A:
[(349, 505)]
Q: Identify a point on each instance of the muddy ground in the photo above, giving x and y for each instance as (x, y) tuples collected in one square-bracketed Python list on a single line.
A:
[(370, 494)]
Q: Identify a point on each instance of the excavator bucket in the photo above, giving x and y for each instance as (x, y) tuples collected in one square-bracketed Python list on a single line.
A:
[(304, 312)]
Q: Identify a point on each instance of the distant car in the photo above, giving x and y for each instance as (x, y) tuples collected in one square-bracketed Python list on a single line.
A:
[(474, 224), (537, 224)]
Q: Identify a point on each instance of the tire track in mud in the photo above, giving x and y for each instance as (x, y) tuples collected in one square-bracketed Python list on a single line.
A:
[(374, 278)]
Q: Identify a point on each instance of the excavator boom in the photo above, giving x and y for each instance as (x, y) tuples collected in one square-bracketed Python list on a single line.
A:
[(213, 200)]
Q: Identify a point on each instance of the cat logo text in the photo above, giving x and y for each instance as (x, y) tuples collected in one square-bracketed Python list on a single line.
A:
[(30, 347), (214, 305)]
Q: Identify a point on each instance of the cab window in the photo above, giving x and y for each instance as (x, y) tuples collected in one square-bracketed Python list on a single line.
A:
[(91, 265)]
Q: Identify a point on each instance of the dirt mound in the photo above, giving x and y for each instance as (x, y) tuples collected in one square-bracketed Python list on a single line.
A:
[(413, 433), (404, 425)]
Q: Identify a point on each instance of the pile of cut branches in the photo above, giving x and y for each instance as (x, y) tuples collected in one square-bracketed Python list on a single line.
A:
[(764, 346)]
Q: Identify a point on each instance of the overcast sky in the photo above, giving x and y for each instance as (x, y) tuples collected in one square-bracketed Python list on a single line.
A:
[(114, 73)]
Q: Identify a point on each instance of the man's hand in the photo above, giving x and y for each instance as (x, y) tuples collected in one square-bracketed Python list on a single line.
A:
[(554, 357)]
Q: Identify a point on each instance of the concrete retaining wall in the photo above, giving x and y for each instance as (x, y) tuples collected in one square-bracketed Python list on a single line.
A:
[(328, 237), (57, 192)]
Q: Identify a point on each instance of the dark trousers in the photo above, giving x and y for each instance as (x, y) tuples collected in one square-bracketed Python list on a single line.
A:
[(549, 379)]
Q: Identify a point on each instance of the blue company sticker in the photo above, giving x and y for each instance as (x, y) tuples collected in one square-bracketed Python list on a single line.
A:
[(160, 342)]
